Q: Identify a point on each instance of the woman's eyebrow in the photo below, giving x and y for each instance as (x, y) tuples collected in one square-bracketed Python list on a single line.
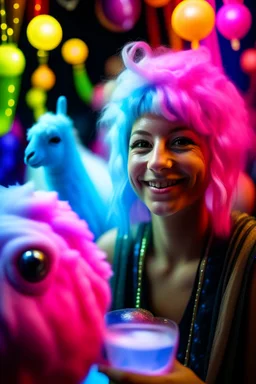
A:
[(140, 132), (172, 130)]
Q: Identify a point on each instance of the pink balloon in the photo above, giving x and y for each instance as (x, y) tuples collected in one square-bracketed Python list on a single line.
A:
[(234, 21), (122, 13)]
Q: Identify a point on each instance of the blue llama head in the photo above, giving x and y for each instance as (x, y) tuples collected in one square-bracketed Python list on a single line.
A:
[(51, 139)]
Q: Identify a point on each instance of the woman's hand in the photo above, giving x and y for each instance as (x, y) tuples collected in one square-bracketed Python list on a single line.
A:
[(179, 375)]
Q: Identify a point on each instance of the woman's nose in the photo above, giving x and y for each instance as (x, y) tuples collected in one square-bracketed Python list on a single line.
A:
[(159, 159)]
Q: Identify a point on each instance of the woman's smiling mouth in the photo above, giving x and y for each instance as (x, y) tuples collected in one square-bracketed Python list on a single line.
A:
[(163, 185)]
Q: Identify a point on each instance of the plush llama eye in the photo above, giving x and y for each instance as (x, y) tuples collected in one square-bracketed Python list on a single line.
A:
[(33, 265), (54, 140)]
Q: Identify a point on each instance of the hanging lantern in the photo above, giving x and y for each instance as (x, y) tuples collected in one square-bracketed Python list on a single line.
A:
[(234, 21), (193, 20)]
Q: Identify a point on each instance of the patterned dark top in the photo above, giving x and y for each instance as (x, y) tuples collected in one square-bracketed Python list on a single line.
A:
[(124, 288)]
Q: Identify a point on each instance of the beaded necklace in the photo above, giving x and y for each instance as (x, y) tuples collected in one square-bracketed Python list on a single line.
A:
[(143, 249)]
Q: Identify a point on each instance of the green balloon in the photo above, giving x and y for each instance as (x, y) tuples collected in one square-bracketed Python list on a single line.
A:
[(12, 60)]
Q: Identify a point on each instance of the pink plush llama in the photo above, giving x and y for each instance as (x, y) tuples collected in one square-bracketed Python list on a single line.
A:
[(54, 290)]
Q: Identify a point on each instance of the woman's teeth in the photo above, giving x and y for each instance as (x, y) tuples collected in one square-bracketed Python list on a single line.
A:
[(163, 184)]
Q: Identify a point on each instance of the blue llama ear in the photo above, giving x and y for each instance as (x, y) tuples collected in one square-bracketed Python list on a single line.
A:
[(61, 107)]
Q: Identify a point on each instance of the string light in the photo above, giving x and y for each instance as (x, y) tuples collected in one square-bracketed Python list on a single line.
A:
[(11, 88), (3, 25), (9, 31), (37, 7), (17, 13), (11, 102), (8, 112)]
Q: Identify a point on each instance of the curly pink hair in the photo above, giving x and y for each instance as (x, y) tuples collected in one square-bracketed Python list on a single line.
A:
[(180, 86)]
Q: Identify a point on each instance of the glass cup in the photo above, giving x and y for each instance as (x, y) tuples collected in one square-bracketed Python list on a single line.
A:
[(137, 341)]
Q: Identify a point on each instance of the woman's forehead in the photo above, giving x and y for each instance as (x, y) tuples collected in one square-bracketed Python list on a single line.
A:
[(151, 122)]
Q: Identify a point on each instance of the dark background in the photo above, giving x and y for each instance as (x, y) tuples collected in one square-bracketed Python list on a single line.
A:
[(102, 43)]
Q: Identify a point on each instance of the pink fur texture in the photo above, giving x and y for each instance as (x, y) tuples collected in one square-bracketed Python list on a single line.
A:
[(51, 314)]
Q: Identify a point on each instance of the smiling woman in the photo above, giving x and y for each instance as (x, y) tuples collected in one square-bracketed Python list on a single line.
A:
[(179, 138), (166, 165)]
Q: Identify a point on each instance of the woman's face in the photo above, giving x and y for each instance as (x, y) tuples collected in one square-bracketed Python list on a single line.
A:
[(167, 164)]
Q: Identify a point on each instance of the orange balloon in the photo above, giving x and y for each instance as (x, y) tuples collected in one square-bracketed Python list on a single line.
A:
[(74, 51), (43, 78), (157, 3), (193, 20)]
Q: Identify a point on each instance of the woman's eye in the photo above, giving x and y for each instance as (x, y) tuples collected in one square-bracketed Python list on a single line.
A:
[(182, 142), (140, 144)]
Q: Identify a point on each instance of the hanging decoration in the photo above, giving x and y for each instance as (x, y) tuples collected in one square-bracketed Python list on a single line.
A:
[(103, 20), (14, 17), (37, 7), (193, 20), (152, 10), (175, 41), (248, 61), (44, 33), (75, 52), (118, 15), (153, 27), (36, 100), (157, 3), (12, 65), (69, 5), (212, 42), (234, 21), (43, 77)]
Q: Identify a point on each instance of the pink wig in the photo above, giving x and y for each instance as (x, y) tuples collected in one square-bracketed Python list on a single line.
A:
[(180, 86)]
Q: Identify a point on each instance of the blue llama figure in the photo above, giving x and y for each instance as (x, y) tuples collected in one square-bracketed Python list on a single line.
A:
[(52, 145)]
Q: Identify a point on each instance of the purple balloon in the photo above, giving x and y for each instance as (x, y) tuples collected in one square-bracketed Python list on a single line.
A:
[(234, 21), (122, 13)]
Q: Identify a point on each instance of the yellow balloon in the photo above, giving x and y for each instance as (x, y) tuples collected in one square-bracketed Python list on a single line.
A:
[(74, 51), (44, 32), (43, 77), (193, 20)]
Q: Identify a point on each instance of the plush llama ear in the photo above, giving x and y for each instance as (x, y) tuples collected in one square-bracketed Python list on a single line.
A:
[(61, 108)]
